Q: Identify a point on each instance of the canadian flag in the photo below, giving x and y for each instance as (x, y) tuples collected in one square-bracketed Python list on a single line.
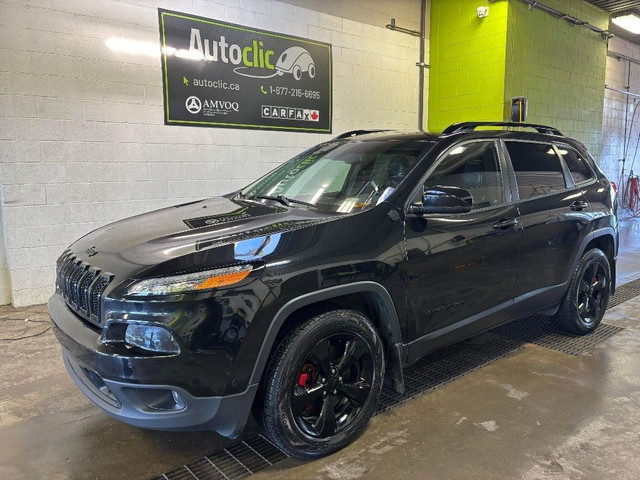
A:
[(315, 116)]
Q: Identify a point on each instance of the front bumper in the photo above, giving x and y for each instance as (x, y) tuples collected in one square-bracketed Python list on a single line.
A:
[(162, 407), (134, 389)]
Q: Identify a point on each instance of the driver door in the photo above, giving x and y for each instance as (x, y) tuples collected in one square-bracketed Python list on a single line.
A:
[(462, 267)]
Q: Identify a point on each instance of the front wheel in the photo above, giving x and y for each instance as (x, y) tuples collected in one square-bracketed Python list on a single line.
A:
[(323, 384), (586, 299)]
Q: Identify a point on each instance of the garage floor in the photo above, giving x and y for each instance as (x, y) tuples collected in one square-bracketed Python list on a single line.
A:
[(533, 413)]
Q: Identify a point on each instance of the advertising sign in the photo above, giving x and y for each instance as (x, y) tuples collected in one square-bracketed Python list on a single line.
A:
[(219, 74)]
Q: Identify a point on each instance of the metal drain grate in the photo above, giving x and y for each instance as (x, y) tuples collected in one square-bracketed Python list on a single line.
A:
[(625, 292), (444, 366), (250, 456), (239, 461), (539, 330)]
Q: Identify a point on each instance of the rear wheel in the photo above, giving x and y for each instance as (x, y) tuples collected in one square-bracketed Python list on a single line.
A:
[(297, 72), (323, 384), (586, 299)]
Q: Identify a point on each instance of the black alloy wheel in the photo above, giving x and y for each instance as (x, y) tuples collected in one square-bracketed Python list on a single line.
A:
[(585, 302), (322, 385), (333, 385), (592, 293)]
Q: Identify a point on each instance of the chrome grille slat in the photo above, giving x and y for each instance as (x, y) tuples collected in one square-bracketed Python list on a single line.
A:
[(83, 289), (97, 289), (67, 277), (82, 286), (61, 265), (74, 281)]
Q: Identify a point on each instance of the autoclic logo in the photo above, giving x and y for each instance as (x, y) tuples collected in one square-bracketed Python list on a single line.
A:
[(294, 60)]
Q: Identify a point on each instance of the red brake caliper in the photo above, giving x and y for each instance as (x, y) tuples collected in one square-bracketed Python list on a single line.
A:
[(302, 379), (307, 376)]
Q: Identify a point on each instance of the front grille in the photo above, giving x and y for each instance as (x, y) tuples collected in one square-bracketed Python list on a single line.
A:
[(82, 286)]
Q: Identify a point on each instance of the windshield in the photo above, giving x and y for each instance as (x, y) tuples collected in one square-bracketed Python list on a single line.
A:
[(341, 177)]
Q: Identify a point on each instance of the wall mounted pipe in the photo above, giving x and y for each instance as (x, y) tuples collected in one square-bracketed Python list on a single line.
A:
[(606, 34), (420, 63), (631, 94)]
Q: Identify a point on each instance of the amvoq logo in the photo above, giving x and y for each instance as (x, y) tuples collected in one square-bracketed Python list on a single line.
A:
[(210, 107), (221, 105)]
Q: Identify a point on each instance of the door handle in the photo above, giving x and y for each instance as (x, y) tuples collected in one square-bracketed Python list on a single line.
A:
[(578, 205), (505, 223)]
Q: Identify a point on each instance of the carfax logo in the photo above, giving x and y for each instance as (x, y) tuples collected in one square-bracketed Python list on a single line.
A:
[(294, 60), (290, 113)]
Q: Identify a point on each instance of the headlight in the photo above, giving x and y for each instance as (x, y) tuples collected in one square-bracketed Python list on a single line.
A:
[(190, 282), (151, 337)]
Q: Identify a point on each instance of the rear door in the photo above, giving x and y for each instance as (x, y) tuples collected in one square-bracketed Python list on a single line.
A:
[(554, 218)]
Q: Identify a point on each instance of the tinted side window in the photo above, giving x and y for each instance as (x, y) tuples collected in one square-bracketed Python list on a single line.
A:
[(577, 165), (537, 168), (474, 167)]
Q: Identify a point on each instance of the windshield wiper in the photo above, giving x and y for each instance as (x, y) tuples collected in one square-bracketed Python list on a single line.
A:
[(285, 200), (301, 202)]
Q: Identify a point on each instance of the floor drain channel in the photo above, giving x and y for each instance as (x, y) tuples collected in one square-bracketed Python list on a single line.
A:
[(539, 330), (250, 456), (238, 461), (625, 292)]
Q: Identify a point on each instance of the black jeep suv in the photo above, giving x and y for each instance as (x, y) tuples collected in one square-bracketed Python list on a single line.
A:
[(301, 294)]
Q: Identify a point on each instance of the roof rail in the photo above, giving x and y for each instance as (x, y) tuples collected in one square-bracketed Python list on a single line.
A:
[(355, 133), (471, 126)]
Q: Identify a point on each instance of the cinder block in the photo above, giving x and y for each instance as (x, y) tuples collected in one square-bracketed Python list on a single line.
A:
[(24, 194), (75, 88), (151, 190), (28, 84), (186, 189), (59, 108), (33, 173), (166, 171)]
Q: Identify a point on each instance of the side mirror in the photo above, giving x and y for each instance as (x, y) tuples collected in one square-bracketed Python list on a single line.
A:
[(443, 199)]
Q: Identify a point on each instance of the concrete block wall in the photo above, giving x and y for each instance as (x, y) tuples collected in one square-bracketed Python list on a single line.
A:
[(559, 68), (5, 278), (82, 141), (617, 108)]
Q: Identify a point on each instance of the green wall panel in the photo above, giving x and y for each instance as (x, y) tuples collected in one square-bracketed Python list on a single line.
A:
[(467, 59)]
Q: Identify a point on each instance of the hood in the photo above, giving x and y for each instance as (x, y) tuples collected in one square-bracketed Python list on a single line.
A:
[(134, 244)]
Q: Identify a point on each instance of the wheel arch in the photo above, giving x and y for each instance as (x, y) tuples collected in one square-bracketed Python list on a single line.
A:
[(605, 240), (369, 298)]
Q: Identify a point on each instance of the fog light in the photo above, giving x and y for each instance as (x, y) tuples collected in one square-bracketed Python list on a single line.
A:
[(151, 337)]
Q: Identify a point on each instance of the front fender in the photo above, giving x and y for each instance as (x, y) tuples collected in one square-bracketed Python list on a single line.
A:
[(388, 325)]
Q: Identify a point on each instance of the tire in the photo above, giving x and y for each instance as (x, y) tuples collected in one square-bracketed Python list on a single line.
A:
[(307, 409), (586, 299), (312, 71)]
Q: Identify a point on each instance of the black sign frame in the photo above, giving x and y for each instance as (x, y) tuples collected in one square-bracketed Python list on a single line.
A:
[(307, 110)]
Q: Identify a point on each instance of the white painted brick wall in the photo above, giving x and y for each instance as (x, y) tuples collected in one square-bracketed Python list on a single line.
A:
[(82, 140), (5, 278)]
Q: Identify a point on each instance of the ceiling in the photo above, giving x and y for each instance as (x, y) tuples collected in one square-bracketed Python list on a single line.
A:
[(620, 6)]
